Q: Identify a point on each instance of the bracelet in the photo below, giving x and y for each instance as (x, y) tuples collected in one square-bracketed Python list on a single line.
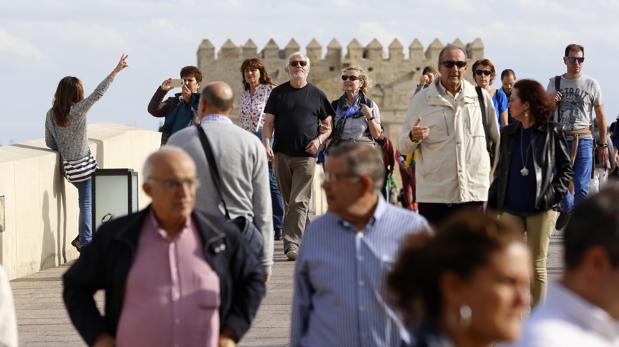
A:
[(603, 145), (371, 118)]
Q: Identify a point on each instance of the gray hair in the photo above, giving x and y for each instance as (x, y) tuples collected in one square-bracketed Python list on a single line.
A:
[(451, 47), (362, 160), (297, 54)]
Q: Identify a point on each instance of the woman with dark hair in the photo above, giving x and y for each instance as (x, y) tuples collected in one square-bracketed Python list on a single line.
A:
[(466, 286), (257, 87), (484, 74), (532, 174), (65, 132), (357, 117)]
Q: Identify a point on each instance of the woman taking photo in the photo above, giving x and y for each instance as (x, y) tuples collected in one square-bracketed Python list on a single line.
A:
[(468, 286), (357, 118), (532, 174), (65, 132), (484, 74), (257, 87)]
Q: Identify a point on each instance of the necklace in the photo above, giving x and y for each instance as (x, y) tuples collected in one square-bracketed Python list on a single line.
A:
[(524, 171)]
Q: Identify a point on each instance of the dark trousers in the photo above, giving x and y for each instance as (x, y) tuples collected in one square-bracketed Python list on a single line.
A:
[(437, 213)]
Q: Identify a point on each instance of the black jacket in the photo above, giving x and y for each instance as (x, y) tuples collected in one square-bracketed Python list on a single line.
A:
[(553, 170), (106, 261)]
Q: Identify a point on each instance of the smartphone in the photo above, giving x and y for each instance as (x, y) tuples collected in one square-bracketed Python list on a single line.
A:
[(176, 83)]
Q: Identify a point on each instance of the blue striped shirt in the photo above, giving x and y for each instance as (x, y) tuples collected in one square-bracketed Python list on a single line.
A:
[(339, 280)]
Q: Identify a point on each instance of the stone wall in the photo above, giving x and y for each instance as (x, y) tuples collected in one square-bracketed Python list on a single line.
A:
[(393, 76)]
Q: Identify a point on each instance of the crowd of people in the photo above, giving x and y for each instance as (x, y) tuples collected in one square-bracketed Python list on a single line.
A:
[(488, 174)]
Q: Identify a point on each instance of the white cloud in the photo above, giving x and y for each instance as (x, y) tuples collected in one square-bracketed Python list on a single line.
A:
[(21, 48)]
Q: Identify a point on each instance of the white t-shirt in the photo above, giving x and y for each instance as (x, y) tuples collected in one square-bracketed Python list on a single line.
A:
[(578, 99)]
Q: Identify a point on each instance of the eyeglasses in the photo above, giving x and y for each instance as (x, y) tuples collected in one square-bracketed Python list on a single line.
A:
[(174, 185), (573, 60), (333, 176), (451, 63), (351, 77), (296, 63), (483, 72)]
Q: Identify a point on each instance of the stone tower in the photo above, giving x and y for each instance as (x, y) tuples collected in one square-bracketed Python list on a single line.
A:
[(393, 76)]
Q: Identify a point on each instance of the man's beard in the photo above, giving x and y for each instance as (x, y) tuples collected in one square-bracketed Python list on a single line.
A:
[(298, 75)]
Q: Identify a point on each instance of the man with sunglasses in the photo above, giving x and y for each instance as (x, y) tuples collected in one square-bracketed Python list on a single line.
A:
[(577, 96), (172, 276), (300, 114), (454, 139)]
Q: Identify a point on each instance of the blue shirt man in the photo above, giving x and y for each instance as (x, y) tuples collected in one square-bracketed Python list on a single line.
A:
[(345, 255)]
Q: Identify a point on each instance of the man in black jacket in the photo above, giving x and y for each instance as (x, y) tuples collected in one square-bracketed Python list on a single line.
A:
[(164, 269)]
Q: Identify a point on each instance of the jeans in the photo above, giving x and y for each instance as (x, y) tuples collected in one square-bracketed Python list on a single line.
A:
[(84, 190), (277, 203), (582, 174)]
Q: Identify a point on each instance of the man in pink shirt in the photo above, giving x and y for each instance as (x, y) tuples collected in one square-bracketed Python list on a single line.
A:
[(172, 276)]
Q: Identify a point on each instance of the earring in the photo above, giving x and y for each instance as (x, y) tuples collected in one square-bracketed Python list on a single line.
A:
[(465, 313)]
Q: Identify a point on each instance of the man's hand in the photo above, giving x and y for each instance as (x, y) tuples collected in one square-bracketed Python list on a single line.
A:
[(602, 155), (104, 340), (557, 97), (166, 85), (424, 79), (313, 146), (269, 152), (418, 132), (186, 93)]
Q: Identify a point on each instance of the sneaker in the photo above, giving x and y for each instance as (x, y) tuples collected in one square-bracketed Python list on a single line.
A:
[(76, 243), (278, 234), (292, 253), (562, 221)]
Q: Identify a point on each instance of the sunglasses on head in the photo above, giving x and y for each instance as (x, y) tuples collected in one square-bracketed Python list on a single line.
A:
[(296, 63), (483, 72), (352, 78), (573, 60), (451, 63)]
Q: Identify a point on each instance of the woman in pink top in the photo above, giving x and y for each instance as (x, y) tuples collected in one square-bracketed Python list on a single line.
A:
[(257, 87)]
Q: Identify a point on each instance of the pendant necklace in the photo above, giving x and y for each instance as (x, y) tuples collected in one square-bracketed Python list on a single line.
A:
[(524, 171)]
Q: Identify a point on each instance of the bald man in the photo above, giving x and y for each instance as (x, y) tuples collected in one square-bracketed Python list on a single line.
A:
[(241, 162), (172, 276)]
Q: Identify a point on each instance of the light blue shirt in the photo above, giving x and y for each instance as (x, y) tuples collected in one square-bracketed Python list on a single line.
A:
[(339, 280)]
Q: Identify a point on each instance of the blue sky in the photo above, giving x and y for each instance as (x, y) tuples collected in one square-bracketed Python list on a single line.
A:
[(42, 41)]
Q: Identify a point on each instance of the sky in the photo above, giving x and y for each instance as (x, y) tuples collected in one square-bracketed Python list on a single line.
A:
[(42, 41)]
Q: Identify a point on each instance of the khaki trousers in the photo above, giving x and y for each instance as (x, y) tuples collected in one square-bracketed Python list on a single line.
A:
[(539, 228), (294, 175)]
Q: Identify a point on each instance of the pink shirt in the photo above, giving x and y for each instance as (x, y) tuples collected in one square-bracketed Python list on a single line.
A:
[(172, 294), (252, 107)]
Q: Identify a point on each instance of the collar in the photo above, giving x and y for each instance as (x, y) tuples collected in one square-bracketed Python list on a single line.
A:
[(582, 312), (152, 219), (443, 91), (379, 211), (215, 118)]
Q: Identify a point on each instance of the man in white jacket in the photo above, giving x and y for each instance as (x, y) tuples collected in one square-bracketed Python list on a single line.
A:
[(453, 136)]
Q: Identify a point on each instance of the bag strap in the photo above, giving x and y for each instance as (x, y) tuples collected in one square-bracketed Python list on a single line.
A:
[(482, 105), (208, 152), (558, 88)]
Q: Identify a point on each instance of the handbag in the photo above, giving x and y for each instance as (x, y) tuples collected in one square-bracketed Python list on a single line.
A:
[(247, 228), (81, 169)]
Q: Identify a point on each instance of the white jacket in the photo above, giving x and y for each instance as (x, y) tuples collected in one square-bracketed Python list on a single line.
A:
[(452, 163)]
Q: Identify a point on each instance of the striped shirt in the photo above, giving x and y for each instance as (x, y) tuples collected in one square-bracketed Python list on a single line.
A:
[(338, 281)]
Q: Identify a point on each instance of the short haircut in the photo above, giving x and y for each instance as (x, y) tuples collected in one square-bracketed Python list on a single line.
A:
[(362, 160), (574, 47), (192, 71), (362, 76), (484, 62), (541, 105), (508, 72), (594, 223), (450, 47), (214, 97), (298, 54), (464, 243)]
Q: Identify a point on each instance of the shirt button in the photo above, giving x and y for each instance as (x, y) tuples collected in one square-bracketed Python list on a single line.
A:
[(177, 321), (362, 308), (364, 334), (361, 283), (360, 258)]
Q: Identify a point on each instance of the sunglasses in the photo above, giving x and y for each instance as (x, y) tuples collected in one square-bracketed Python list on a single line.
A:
[(483, 72), (451, 63), (352, 78), (296, 63), (573, 60)]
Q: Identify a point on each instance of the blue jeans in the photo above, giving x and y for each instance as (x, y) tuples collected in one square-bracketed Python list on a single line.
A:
[(84, 190), (582, 174), (277, 204)]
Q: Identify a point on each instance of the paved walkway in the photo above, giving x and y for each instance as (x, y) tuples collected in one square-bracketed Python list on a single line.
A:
[(43, 321)]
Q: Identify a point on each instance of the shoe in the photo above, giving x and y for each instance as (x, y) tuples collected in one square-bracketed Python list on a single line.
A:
[(564, 218), (76, 243), (292, 253), (278, 234)]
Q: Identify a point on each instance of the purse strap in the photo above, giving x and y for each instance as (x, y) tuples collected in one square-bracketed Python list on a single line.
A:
[(208, 152)]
